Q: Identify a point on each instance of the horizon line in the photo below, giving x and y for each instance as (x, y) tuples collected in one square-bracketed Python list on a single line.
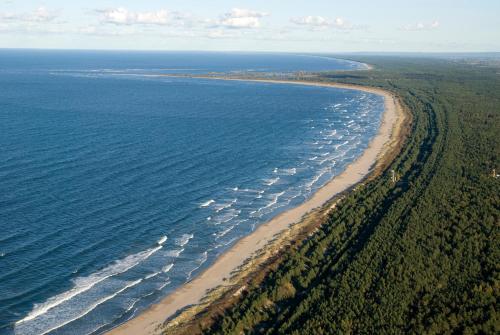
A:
[(258, 51)]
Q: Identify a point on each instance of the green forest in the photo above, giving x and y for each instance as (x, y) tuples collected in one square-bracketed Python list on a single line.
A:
[(418, 256)]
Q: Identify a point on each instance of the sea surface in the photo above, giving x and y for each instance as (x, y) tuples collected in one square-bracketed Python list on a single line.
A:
[(116, 187)]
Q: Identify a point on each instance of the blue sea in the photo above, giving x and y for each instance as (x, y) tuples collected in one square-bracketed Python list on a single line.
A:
[(117, 187)]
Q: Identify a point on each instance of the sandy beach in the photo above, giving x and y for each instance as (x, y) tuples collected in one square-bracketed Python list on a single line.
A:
[(149, 321)]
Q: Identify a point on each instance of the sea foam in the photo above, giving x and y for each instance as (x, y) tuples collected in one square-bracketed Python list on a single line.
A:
[(82, 284), (184, 239), (207, 203)]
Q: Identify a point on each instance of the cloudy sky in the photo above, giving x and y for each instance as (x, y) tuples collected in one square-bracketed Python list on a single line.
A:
[(257, 25)]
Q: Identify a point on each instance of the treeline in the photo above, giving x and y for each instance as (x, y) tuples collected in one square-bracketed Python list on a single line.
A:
[(420, 256)]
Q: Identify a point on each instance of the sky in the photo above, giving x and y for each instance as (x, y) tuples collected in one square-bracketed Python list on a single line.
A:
[(257, 25)]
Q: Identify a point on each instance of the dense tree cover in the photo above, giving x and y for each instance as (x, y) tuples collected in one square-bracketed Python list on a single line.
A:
[(419, 256)]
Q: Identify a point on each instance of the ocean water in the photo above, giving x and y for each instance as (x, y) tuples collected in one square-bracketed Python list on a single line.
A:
[(117, 187)]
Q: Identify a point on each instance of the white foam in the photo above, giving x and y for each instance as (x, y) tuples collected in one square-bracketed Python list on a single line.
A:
[(225, 205), (229, 242), (336, 146), (332, 133), (273, 202), (227, 216), (93, 306), (201, 260), (224, 232), (183, 240), (270, 182), (287, 172), (149, 276), (167, 268), (316, 178), (174, 253), (162, 240), (321, 162), (208, 203), (249, 190), (163, 286), (83, 284)]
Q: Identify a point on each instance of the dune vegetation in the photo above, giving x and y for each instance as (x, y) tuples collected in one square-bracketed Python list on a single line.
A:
[(418, 254)]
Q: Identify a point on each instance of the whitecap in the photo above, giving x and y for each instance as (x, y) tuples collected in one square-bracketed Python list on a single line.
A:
[(227, 216), (82, 284), (316, 178), (224, 232), (287, 172), (323, 161), (273, 202), (149, 276), (86, 311), (167, 268), (162, 240), (208, 203), (174, 253), (225, 205), (230, 241), (184, 239), (163, 286), (203, 258), (270, 182)]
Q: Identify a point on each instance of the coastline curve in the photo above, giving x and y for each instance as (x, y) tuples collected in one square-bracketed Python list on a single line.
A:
[(215, 277)]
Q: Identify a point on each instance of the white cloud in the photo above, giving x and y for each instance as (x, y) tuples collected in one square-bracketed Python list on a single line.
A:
[(435, 24), (240, 18), (313, 21), (122, 16), (41, 14), (320, 22), (341, 23), (421, 26)]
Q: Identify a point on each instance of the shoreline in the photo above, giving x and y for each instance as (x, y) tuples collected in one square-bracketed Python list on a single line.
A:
[(231, 261)]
